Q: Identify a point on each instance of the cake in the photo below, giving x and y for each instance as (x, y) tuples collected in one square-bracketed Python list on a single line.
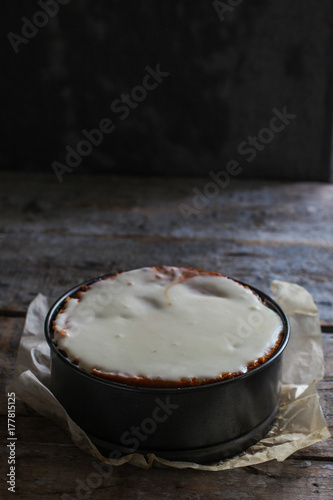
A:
[(167, 327)]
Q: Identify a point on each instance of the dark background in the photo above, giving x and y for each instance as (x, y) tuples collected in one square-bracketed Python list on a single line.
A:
[(226, 76)]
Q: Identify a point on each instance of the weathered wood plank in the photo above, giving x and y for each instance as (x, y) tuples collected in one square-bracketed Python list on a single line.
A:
[(51, 264), (53, 236), (100, 205), (41, 474)]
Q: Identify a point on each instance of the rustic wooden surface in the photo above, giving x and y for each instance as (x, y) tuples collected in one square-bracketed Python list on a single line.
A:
[(55, 235)]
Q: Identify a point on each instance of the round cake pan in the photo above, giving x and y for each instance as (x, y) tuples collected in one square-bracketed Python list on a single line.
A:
[(201, 423)]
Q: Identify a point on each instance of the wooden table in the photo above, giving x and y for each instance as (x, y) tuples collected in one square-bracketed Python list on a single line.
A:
[(53, 236)]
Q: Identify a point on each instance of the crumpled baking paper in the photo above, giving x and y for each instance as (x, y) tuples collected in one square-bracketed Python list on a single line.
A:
[(300, 421)]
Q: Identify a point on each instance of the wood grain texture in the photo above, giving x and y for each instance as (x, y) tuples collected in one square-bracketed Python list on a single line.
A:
[(150, 206), (44, 475), (53, 236), (53, 264)]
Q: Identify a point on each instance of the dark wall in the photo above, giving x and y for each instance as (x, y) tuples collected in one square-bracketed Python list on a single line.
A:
[(227, 69)]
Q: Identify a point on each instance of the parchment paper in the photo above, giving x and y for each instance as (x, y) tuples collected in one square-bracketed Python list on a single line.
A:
[(300, 422)]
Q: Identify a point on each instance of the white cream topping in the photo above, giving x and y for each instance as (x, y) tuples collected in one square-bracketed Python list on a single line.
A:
[(163, 323)]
